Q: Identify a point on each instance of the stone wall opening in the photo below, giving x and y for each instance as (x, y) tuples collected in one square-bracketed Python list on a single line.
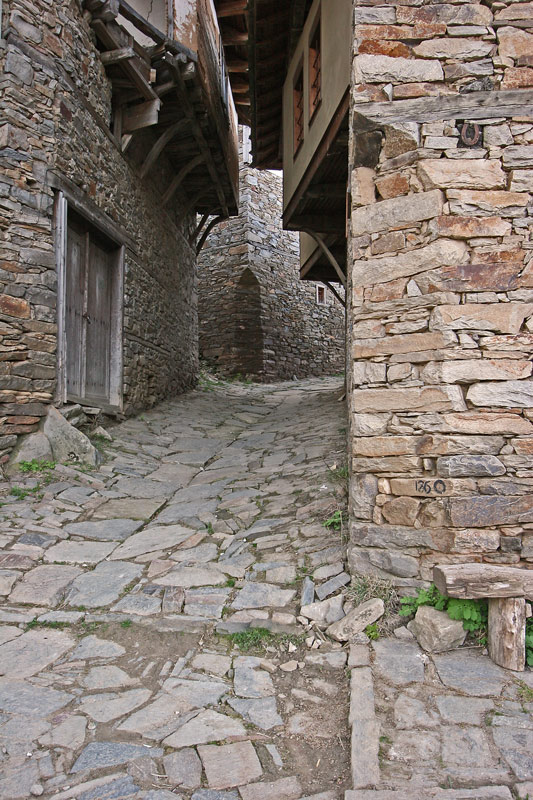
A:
[(248, 338)]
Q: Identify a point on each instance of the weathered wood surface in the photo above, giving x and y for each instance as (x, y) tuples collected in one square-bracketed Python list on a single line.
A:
[(140, 116), (474, 581), (507, 632), (476, 105)]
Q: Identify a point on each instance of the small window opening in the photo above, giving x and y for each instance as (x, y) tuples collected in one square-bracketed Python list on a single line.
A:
[(321, 295), (298, 109), (315, 70)]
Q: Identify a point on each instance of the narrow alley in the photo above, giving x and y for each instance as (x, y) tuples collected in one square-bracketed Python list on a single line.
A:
[(162, 631), (132, 596)]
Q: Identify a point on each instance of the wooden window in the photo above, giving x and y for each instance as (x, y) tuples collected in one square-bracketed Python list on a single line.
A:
[(298, 110), (321, 295), (315, 70)]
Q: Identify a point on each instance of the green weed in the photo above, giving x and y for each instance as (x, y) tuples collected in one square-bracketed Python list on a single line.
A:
[(334, 522), (126, 623), (260, 638), (230, 582), (36, 466), (472, 613), (21, 493), (210, 530)]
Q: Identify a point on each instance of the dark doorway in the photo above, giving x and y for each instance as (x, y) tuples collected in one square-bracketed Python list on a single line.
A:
[(248, 331)]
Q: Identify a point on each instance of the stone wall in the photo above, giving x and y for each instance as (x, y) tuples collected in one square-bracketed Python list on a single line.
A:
[(441, 296), (255, 314), (56, 110)]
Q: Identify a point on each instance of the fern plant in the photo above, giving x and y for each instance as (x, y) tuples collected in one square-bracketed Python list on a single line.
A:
[(472, 613)]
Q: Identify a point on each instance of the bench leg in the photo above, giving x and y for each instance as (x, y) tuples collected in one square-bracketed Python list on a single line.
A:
[(507, 632)]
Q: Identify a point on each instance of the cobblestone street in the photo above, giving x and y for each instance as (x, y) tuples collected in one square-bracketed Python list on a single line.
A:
[(151, 643)]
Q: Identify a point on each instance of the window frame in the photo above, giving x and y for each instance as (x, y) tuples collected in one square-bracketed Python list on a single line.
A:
[(314, 52), (298, 105)]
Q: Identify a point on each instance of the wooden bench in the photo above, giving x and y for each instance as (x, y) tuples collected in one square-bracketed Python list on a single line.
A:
[(506, 589)]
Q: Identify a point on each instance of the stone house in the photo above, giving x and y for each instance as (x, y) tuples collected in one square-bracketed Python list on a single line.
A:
[(255, 316), (117, 128), (405, 132)]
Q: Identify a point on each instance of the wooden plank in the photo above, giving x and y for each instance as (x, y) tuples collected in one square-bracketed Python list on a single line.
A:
[(231, 8), (132, 70), (474, 105), (115, 56), (179, 177), (507, 632), (140, 116), (474, 581), (233, 36), (160, 144)]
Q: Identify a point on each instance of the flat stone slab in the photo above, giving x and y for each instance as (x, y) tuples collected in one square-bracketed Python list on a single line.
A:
[(139, 603), (283, 789), (93, 647), (104, 530), (516, 746), (230, 765), (212, 794), (197, 555), (130, 508), (79, 552), (262, 712), (188, 577), (163, 537), (103, 585), (158, 719), (206, 602), (207, 726), (9, 632), (32, 652), (107, 706), (7, 579), (115, 789), (195, 693), (108, 676), (99, 755), (249, 681), (398, 662), (213, 663), (456, 671), (459, 709), (261, 595), (37, 701), (183, 769), (44, 585), (70, 733), (144, 488)]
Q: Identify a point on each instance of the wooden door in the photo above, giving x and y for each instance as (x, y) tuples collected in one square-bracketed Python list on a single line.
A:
[(75, 309), (98, 322), (90, 271)]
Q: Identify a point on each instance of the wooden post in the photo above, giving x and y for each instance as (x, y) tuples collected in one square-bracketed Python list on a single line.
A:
[(507, 632)]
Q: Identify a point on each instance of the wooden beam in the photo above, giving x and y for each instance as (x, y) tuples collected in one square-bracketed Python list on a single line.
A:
[(207, 231), (329, 255), (507, 632), (474, 581), (231, 35), (131, 69), (194, 234), (178, 179), (106, 11), (160, 144), (194, 200), (204, 148), (142, 115), (231, 8), (474, 105), (319, 223), (335, 294), (236, 65), (115, 56)]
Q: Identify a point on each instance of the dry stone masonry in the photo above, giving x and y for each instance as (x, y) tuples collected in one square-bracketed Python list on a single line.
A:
[(441, 298), (255, 315), (56, 112)]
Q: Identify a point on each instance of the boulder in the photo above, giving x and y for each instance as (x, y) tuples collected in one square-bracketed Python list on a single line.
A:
[(435, 631), (35, 446), (67, 443), (357, 620)]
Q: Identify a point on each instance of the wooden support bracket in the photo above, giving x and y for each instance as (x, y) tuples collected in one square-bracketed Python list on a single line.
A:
[(207, 231), (160, 145), (178, 179)]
